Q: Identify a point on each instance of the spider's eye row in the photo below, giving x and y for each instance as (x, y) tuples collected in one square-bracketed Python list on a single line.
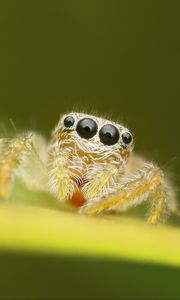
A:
[(109, 135), (127, 138), (69, 121), (86, 128)]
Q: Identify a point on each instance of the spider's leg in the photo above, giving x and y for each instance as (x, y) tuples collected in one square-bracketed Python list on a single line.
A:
[(33, 170), (145, 183), (61, 182), (98, 181), (163, 202), (12, 152), (24, 157)]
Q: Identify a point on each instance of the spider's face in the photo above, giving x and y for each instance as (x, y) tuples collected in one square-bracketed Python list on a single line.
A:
[(94, 136)]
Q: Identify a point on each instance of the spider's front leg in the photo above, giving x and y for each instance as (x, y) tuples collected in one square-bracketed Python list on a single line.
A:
[(99, 180), (61, 182), (145, 183)]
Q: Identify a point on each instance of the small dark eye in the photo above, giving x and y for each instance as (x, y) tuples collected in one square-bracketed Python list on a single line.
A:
[(69, 121), (86, 128), (126, 137), (109, 135)]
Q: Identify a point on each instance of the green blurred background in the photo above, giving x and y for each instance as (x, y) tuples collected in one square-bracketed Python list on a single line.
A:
[(117, 58)]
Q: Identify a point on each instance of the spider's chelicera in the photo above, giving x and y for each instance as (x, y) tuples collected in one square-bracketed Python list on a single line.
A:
[(90, 163)]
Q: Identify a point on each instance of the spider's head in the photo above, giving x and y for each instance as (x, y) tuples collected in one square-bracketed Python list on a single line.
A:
[(94, 136)]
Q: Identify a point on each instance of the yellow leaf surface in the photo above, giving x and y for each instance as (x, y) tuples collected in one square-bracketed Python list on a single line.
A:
[(45, 230)]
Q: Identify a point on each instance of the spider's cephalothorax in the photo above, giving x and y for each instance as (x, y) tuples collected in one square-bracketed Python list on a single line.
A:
[(89, 162), (87, 156)]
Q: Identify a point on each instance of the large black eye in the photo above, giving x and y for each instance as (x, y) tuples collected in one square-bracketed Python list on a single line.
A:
[(86, 128), (109, 135), (69, 121), (127, 138)]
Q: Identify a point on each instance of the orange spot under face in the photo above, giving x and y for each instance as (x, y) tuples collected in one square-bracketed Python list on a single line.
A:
[(78, 199)]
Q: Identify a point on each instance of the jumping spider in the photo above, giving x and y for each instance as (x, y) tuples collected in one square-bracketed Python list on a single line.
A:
[(88, 162)]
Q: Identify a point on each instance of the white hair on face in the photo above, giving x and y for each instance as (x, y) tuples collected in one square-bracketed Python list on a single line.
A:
[(82, 158)]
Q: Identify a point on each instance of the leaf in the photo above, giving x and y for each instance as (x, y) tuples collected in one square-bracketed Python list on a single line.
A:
[(51, 231), (52, 252)]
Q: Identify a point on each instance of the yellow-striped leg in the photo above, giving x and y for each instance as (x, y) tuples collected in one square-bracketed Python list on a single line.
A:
[(26, 158), (12, 152), (147, 183)]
